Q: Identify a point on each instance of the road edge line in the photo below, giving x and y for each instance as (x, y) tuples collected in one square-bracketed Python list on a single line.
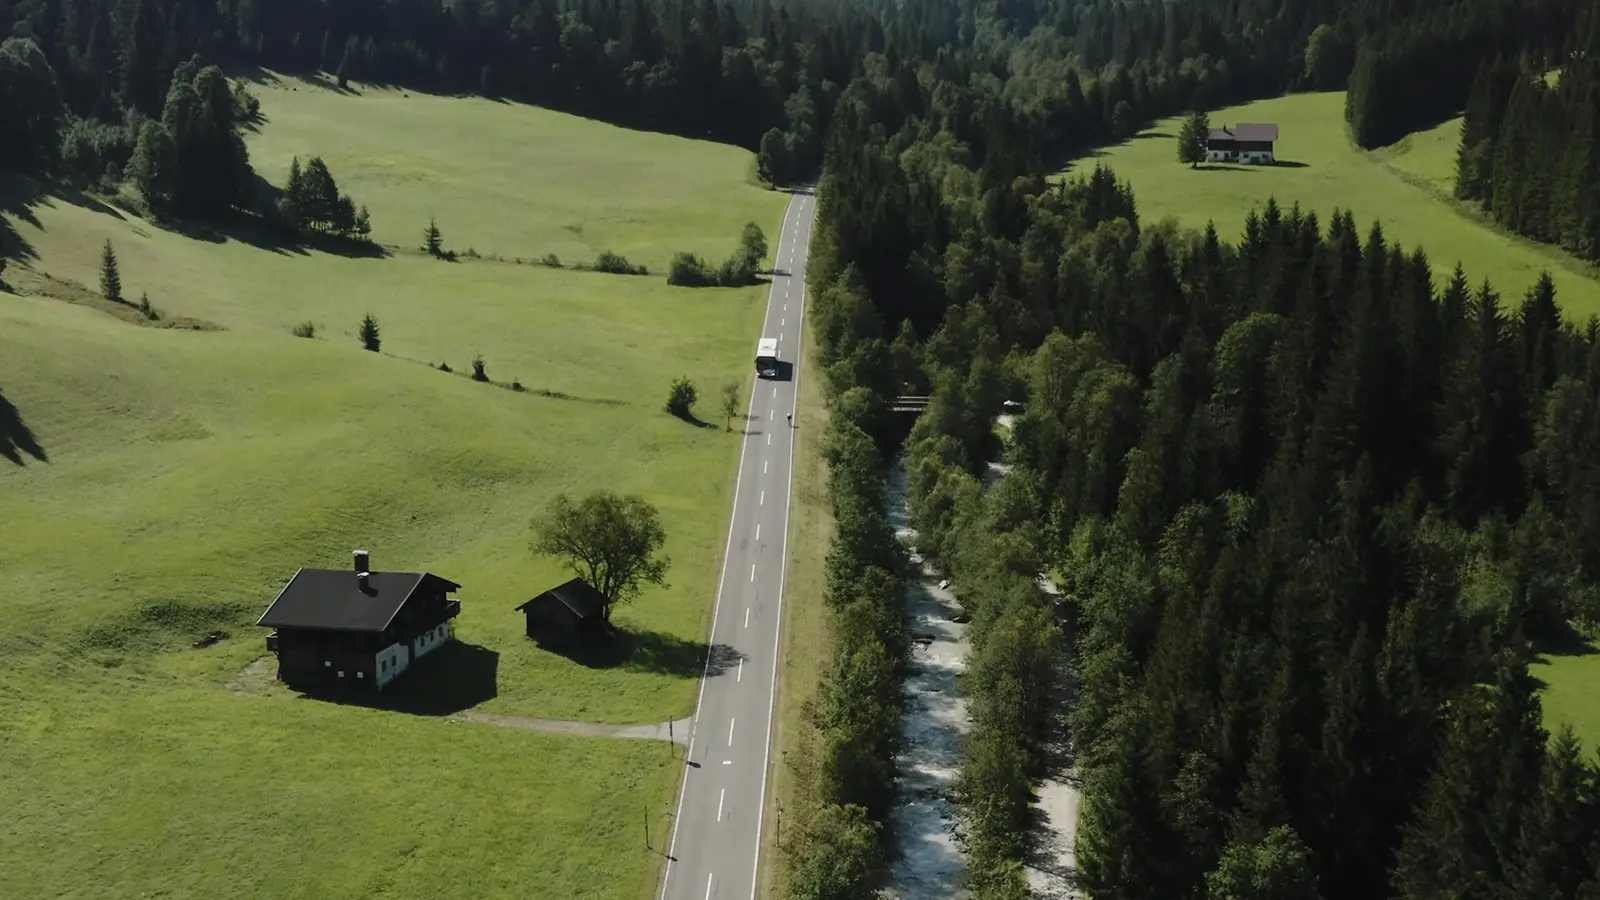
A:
[(727, 551)]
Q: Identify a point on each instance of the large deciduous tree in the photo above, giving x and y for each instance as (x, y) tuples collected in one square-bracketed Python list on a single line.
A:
[(611, 541)]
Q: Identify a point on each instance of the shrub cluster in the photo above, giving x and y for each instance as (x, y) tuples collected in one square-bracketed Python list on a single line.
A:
[(681, 398), (617, 264), (689, 270)]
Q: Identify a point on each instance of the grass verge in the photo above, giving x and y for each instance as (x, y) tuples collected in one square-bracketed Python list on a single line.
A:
[(805, 622)]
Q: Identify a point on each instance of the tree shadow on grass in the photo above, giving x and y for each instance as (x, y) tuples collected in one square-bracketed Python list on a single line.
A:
[(18, 196), (1567, 642), (650, 651), (456, 677), (15, 436), (1152, 133), (252, 231), (693, 419)]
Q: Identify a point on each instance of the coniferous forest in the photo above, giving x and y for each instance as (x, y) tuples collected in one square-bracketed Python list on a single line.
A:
[(1312, 509), (1530, 150)]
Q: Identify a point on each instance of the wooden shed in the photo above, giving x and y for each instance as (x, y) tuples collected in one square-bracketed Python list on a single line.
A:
[(567, 615)]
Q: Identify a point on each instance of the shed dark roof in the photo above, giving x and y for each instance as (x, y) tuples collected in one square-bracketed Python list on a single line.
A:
[(1245, 131), (577, 595), (332, 599)]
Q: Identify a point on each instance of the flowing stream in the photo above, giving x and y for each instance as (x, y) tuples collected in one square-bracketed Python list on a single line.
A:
[(933, 729)]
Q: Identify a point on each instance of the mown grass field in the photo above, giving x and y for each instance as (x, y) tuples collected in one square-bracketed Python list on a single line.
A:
[(1428, 156), (1405, 188), (554, 183), (187, 474)]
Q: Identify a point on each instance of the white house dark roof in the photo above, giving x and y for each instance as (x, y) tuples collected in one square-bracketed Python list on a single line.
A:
[(1245, 131), (334, 599)]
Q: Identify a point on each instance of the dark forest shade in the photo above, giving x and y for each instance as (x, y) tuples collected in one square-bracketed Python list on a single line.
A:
[(357, 629)]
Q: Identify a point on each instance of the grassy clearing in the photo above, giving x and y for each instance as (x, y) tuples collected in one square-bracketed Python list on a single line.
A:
[(1395, 187), (557, 183), (1428, 156), (187, 474), (805, 621), (1572, 692)]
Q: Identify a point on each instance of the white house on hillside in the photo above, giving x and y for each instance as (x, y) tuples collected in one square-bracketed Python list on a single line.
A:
[(1243, 143)]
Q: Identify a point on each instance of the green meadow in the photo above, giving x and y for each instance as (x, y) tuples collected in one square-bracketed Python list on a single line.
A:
[(1405, 188), (176, 478)]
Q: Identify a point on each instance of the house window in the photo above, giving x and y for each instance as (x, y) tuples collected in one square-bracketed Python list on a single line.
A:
[(361, 674), (327, 664)]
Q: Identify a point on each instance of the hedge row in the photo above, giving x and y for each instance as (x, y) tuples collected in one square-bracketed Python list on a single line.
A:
[(838, 846)]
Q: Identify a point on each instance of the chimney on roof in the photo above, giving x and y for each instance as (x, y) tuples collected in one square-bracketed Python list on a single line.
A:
[(362, 570)]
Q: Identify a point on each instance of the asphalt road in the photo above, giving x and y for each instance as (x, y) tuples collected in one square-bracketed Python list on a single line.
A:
[(716, 834)]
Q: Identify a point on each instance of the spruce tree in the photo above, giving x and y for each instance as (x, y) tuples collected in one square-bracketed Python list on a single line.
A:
[(432, 240), (294, 195), (346, 62), (1193, 138), (141, 77), (319, 207), (1475, 125), (110, 277), (369, 333)]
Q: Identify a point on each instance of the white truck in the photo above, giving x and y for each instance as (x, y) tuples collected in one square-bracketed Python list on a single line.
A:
[(767, 357)]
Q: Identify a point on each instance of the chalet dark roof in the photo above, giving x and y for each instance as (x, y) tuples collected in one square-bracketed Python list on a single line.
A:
[(1245, 131), (332, 599), (577, 595)]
